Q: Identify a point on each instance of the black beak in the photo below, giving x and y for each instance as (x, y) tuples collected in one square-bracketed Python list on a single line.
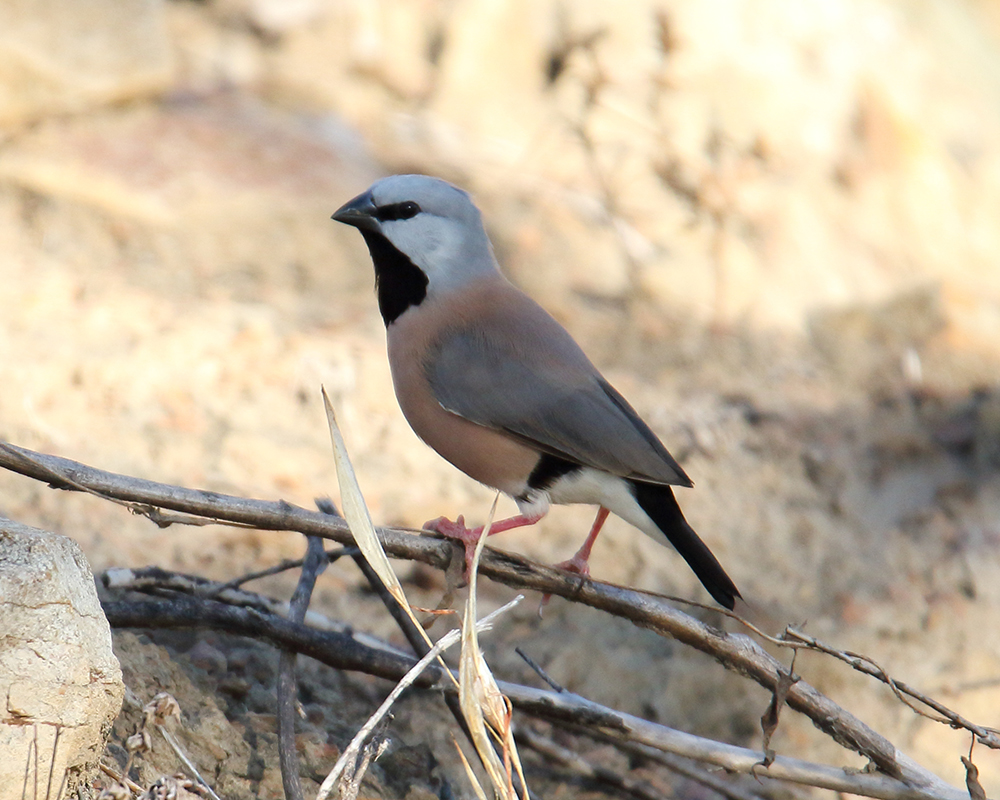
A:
[(359, 212)]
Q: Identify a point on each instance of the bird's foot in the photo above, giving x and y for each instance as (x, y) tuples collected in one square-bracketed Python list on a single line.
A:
[(468, 537), (577, 564), (449, 529)]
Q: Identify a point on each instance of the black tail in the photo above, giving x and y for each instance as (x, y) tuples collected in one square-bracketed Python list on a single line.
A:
[(661, 506)]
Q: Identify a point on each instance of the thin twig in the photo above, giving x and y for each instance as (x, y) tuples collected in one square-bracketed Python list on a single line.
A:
[(410, 678), (580, 766), (52, 761), (313, 563), (681, 766), (868, 666), (541, 673), (287, 564), (186, 761), (115, 775)]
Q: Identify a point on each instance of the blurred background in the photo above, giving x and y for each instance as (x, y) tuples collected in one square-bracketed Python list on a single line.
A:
[(773, 224)]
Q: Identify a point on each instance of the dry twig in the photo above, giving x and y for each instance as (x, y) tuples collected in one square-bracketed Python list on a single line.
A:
[(314, 562), (580, 766), (562, 708)]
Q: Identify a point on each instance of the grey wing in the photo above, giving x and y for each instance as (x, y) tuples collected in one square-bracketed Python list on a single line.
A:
[(562, 406)]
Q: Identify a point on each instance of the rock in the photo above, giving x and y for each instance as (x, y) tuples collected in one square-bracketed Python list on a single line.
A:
[(67, 57), (222, 192), (58, 675)]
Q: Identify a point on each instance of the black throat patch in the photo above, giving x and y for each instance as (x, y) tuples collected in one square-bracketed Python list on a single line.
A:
[(398, 281)]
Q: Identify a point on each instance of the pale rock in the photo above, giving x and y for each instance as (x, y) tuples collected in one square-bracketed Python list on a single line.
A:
[(208, 56), (274, 17), (492, 73), (213, 193), (364, 61), (58, 57), (58, 675)]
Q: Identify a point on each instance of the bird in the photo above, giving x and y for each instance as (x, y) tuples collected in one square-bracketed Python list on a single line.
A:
[(492, 382)]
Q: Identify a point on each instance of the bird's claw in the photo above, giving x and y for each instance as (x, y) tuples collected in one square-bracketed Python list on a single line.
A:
[(457, 531), (577, 564), (449, 529)]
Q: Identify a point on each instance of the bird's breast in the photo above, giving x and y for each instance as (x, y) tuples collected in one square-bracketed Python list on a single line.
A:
[(482, 453)]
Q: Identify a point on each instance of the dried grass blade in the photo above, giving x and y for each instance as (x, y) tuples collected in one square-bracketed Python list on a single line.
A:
[(356, 512), (350, 754), (485, 708)]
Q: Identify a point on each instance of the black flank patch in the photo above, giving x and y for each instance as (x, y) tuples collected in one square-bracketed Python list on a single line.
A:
[(399, 282), (548, 470)]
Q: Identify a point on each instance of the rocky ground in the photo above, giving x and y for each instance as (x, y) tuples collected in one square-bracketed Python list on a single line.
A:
[(773, 225)]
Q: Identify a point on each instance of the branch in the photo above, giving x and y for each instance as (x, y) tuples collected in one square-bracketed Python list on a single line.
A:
[(579, 765), (735, 651), (339, 650), (672, 762), (287, 564), (161, 582), (563, 708), (314, 561), (867, 666), (399, 615)]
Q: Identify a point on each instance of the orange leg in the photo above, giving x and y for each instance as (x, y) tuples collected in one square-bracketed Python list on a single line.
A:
[(470, 538), (579, 562)]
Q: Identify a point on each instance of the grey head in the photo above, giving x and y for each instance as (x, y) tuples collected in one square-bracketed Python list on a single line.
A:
[(425, 237)]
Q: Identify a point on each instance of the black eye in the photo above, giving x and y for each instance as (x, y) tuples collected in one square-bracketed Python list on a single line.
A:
[(404, 210)]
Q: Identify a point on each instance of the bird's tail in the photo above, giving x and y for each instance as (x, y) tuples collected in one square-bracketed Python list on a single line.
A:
[(661, 507)]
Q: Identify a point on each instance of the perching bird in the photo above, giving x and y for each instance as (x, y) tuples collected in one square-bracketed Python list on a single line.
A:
[(496, 386)]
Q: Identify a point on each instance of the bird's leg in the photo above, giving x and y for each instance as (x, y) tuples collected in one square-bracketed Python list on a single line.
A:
[(579, 562), (470, 537)]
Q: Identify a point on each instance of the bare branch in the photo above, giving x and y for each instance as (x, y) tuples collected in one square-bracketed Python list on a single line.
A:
[(335, 649), (867, 666), (563, 708), (735, 651), (580, 766), (284, 566), (681, 766), (164, 583), (314, 561)]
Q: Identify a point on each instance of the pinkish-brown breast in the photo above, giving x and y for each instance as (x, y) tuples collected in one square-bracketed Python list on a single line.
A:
[(481, 453)]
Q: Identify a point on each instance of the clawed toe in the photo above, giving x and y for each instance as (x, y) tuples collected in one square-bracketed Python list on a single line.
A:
[(449, 529), (470, 537), (458, 532), (575, 564)]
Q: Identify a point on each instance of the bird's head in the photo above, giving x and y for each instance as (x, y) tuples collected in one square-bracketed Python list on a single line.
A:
[(425, 223)]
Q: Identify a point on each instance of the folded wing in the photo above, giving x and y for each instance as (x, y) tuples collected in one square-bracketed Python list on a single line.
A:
[(539, 387)]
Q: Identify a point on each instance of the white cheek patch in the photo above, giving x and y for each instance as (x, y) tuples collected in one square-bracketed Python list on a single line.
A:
[(422, 241)]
